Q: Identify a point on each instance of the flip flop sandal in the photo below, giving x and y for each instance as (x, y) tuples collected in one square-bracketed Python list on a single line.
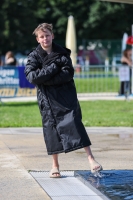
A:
[(95, 167), (53, 173)]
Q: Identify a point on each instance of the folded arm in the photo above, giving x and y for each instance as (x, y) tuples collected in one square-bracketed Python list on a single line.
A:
[(37, 75), (64, 75)]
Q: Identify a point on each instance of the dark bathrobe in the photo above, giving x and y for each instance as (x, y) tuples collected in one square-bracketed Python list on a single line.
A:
[(57, 99)]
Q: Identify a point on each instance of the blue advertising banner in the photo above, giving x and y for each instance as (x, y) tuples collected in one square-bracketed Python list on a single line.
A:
[(13, 83), (9, 77), (23, 83)]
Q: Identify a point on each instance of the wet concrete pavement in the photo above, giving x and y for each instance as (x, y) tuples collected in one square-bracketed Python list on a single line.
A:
[(23, 149)]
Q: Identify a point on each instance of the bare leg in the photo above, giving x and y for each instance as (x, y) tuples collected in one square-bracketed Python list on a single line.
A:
[(94, 165), (89, 153), (55, 163), (55, 160)]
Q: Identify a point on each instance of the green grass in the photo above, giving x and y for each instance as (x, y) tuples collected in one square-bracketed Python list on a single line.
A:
[(91, 85), (20, 114), (107, 113), (95, 113)]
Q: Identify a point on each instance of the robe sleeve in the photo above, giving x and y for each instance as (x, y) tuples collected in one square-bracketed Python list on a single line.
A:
[(35, 75)]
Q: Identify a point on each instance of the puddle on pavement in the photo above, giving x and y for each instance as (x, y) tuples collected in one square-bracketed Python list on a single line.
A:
[(114, 184)]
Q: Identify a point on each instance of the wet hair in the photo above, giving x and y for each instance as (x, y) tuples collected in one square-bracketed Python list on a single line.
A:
[(42, 27)]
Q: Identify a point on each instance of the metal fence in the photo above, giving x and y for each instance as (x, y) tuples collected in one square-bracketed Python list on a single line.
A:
[(101, 80), (91, 80)]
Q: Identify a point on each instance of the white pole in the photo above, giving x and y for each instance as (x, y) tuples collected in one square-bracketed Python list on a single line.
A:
[(132, 64), (71, 39)]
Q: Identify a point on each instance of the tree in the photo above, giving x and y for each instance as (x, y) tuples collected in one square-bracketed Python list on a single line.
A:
[(16, 21), (110, 20), (93, 20)]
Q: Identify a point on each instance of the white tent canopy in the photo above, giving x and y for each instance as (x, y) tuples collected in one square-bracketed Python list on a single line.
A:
[(120, 1)]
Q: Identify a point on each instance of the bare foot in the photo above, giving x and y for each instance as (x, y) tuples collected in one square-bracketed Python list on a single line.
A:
[(55, 173), (95, 166)]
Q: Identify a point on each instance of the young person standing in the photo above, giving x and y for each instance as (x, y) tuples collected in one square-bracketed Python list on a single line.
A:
[(49, 67)]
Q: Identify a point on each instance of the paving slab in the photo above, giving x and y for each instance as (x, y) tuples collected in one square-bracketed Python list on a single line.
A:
[(90, 130), (81, 97), (23, 150), (15, 181)]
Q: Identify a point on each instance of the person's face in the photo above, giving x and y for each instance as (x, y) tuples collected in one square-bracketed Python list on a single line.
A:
[(129, 54), (45, 38)]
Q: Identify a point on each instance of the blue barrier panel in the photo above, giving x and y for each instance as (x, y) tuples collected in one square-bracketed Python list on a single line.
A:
[(23, 83), (9, 77), (13, 83)]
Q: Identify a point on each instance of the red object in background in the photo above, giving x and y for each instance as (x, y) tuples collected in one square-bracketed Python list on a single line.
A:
[(130, 40)]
